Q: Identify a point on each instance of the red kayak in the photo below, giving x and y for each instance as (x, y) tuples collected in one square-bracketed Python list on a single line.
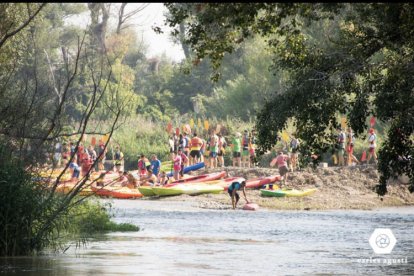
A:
[(198, 179), (116, 192), (256, 183)]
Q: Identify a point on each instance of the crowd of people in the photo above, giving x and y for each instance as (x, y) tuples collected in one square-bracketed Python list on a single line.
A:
[(189, 149)]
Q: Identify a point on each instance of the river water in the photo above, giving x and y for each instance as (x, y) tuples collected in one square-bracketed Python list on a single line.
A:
[(177, 238)]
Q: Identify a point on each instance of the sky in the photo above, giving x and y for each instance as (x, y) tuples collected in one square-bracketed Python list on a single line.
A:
[(159, 43), (142, 22)]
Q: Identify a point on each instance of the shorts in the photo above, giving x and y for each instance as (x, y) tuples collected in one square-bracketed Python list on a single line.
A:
[(195, 153), (236, 195), (213, 154), (236, 154), (220, 153), (340, 152), (283, 170), (371, 150), (245, 152), (76, 174)]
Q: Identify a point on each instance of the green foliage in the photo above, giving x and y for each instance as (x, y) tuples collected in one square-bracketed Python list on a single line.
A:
[(141, 136), (340, 59), (92, 217)]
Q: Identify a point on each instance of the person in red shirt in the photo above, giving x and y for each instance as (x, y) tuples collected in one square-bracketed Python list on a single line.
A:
[(184, 161), (281, 161), (195, 146), (177, 165)]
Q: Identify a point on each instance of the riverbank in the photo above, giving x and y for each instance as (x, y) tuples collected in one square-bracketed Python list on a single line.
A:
[(338, 188)]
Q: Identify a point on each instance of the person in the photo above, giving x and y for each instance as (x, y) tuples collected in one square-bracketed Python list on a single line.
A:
[(164, 178), (176, 165), (221, 150), (118, 159), (245, 150), (101, 156), (341, 139), (150, 179), (65, 153), (195, 145), (294, 148), (132, 182), (123, 178), (57, 156), (213, 147), (236, 149), (372, 138), (252, 148), (155, 165), (184, 161), (100, 180), (176, 139), (350, 139), (141, 165), (181, 142), (202, 149), (186, 144), (171, 144), (232, 190), (75, 169), (92, 154), (281, 161)]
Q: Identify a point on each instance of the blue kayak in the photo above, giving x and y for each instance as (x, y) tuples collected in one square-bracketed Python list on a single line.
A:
[(190, 168)]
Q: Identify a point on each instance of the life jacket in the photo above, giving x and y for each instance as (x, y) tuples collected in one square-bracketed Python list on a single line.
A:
[(141, 164)]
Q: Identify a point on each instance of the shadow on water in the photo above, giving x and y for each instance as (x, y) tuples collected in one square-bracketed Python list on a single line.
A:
[(179, 239)]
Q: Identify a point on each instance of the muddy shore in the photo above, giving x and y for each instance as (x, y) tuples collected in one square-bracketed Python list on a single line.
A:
[(338, 188)]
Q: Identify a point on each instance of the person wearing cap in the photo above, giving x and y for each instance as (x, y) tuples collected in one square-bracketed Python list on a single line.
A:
[(232, 190), (236, 149), (372, 138)]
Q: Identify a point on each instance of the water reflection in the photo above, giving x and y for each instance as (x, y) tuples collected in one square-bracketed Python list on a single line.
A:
[(180, 239)]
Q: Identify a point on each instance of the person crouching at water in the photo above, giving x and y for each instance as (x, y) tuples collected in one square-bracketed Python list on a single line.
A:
[(232, 190), (164, 178)]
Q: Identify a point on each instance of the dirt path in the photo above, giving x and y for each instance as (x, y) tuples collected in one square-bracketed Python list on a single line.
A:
[(338, 188)]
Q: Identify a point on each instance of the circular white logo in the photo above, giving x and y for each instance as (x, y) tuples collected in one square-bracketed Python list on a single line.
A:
[(382, 241)]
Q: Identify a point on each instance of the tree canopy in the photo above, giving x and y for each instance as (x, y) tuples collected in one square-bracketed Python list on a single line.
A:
[(354, 60)]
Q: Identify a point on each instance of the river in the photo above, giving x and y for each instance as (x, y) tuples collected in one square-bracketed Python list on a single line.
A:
[(179, 239)]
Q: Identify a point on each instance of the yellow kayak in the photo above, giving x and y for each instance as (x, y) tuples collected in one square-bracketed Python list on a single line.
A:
[(287, 192)]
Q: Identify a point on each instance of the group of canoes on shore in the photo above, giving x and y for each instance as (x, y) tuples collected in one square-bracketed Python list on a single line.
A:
[(114, 184)]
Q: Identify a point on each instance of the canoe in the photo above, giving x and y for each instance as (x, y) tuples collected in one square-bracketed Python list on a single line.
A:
[(146, 191), (190, 168), (287, 192), (198, 178)]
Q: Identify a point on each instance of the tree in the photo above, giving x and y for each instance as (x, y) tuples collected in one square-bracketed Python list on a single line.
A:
[(361, 67), (35, 115)]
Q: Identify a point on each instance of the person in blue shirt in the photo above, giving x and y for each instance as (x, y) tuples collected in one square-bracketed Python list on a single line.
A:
[(155, 165), (232, 190)]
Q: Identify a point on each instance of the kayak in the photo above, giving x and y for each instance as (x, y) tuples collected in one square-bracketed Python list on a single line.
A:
[(168, 191), (287, 192), (253, 183), (261, 181), (190, 168), (146, 191), (125, 193), (198, 178), (189, 189), (67, 187), (197, 189), (116, 192)]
